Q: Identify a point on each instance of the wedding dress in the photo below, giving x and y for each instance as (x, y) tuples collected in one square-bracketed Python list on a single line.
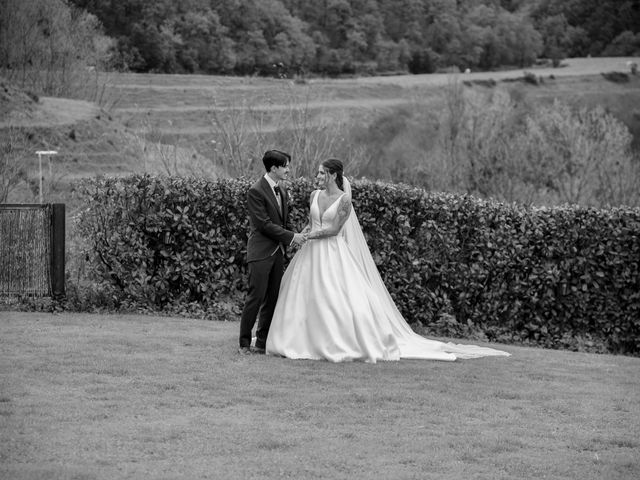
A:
[(333, 304)]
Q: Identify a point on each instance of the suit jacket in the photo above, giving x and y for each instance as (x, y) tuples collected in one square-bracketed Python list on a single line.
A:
[(268, 225)]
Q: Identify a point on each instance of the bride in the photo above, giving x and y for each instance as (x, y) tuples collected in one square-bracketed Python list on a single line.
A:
[(333, 304)]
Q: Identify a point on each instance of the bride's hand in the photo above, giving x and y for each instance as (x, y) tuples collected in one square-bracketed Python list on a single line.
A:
[(299, 239)]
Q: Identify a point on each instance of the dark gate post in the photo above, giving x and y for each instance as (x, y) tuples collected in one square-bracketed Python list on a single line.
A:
[(57, 249)]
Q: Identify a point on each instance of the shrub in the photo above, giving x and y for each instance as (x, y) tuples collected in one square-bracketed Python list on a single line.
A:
[(616, 77), (553, 154), (581, 156), (530, 78), (559, 278), (489, 83), (164, 240)]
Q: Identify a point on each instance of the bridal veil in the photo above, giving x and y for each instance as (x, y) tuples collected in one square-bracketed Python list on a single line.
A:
[(411, 344)]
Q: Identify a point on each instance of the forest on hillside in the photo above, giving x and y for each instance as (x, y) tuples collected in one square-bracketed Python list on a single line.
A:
[(333, 37), (324, 37)]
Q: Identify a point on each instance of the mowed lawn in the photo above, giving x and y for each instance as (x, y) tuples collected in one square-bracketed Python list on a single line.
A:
[(126, 396)]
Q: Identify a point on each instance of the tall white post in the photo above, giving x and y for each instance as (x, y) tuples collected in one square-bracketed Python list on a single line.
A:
[(40, 175), (40, 153)]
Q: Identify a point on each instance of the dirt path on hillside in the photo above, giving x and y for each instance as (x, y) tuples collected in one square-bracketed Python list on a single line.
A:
[(353, 103), (51, 112), (571, 68), (362, 89)]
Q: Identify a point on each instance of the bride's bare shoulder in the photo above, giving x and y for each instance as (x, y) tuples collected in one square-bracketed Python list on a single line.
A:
[(313, 194)]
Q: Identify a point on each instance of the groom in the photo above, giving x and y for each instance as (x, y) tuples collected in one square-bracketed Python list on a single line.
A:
[(269, 235)]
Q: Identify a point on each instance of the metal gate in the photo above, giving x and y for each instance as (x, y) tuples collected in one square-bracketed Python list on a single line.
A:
[(32, 247)]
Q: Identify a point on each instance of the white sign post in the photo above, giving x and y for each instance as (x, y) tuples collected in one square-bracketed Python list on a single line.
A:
[(40, 153)]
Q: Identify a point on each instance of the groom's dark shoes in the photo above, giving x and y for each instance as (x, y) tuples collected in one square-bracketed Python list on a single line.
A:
[(258, 350), (244, 351)]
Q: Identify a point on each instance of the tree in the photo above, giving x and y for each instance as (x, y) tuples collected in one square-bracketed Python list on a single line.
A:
[(156, 47), (518, 41), (264, 33), (555, 31), (12, 162), (600, 20), (46, 45), (338, 22), (403, 20), (298, 35), (625, 44), (204, 45), (582, 155), (444, 33)]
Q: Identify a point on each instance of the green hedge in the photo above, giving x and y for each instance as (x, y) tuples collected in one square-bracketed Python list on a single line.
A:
[(455, 265)]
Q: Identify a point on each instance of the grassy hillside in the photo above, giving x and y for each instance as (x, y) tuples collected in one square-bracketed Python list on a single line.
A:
[(167, 123), (182, 107)]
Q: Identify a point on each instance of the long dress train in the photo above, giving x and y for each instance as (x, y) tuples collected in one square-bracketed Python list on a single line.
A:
[(333, 305)]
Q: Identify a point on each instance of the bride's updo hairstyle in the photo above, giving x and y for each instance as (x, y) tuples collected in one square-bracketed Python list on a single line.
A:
[(333, 165)]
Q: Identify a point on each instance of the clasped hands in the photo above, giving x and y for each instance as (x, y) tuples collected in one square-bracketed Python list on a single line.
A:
[(302, 237)]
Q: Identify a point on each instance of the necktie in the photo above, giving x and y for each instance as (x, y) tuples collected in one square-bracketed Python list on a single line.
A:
[(278, 196)]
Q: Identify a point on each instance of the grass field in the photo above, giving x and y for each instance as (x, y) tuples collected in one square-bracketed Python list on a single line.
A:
[(180, 106), (140, 397)]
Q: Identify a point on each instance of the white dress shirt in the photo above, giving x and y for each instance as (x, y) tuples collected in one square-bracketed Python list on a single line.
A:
[(273, 184)]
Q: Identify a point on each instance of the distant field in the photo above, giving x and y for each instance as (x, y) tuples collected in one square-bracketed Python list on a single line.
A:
[(181, 106), (155, 111)]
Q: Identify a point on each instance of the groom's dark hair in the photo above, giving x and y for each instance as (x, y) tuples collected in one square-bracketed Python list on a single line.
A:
[(275, 158)]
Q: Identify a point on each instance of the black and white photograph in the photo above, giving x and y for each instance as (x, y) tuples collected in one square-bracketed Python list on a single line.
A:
[(329, 239)]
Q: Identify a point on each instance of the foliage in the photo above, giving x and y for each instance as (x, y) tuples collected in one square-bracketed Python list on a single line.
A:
[(453, 264), (339, 37), (311, 136), (582, 156), (590, 26), (540, 276), (616, 77), (12, 162), (489, 144), (292, 38), (557, 38), (625, 44), (51, 47), (162, 241)]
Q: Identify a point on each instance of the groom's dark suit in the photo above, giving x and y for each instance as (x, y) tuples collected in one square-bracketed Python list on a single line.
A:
[(269, 235)]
